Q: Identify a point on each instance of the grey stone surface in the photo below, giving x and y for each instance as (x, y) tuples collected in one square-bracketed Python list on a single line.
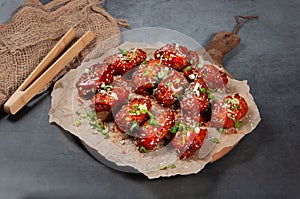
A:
[(39, 160)]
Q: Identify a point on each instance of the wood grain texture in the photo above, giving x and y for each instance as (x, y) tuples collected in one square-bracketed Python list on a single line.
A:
[(42, 75)]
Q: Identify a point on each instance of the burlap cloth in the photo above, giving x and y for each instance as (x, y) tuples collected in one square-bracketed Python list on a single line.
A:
[(35, 29)]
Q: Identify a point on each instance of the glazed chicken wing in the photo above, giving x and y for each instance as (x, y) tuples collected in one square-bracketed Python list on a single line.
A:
[(188, 139), (175, 56), (169, 90), (147, 76), (213, 77), (94, 76), (195, 99), (133, 115), (124, 61), (106, 99), (228, 112), (155, 129)]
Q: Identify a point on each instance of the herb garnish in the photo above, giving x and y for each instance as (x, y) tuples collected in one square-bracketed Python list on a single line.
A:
[(134, 126), (237, 124), (144, 62), (192, 60), (146, 72), (215, 140), (188, 68), (97, 124), (124, 52), (143, 149), (154, 122), (77, 123), (202, 90), (172, 166), (235, 102), (231, 117), (162, 166)]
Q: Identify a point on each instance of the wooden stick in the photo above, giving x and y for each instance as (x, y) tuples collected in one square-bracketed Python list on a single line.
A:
[(27, 91), (50, 57)]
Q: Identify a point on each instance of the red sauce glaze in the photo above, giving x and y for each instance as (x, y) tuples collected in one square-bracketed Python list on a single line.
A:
[(151, 133), (156, 81), (89, 81), (130, 114), (124, 61), (195, 99), (170, 89), (105, 100), (229, 111), (213, 77), (191, 73), (146, 77), (175, 56), (187, 141)]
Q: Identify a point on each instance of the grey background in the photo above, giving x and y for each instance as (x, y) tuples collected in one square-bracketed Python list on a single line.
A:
[(39, 160)]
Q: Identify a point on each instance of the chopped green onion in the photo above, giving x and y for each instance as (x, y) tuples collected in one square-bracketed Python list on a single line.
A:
[(192, 60), (144, 62), (78, 113), (146, 73), (221, 130), (188, 68), (210, 96), (127, 119), (154, 122), (237, 124), (124, 52), (235, 107), (234, 101), (215, 140), (77, 123), (91, 115), (143, 108), (143, 149), (162, 167), (228, 101), (134, 126), (173, 129), (181, 126), (202, 90), (169, 84), (172, 166), (231, 117), (105, 133)]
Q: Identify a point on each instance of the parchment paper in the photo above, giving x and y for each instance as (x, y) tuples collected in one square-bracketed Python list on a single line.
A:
[(65, 103)]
